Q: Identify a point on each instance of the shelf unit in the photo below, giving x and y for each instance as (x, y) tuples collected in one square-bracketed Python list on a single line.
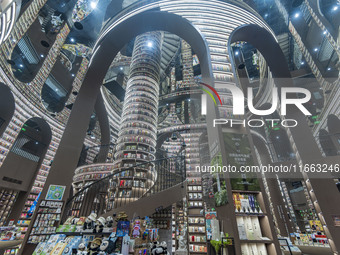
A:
[(197, 238), (252, 222)]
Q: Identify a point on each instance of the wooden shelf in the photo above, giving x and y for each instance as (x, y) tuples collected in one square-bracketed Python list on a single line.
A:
[(246, 191), (256, 241), (251, 214)]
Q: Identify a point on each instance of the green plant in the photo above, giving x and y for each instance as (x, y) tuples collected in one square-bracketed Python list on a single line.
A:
[(216, 245), (221, 197)]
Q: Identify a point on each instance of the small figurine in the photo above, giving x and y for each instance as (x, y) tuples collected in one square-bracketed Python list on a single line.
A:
[(159, 248), (94, 246), (109, 222), (136, 229), (107, 246), (81, 249), (90, 221), (100, 223), (122, 216)]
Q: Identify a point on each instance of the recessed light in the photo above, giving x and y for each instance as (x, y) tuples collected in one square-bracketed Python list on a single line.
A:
[(93, 5)]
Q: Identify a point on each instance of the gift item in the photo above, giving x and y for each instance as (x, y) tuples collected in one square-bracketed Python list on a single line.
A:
[(94, 245), (136, 229), (100, 224), (123, 228), (109, 222), (122, 216)]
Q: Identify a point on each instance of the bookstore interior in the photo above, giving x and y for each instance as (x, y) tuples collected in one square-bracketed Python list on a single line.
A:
[(180, 127)]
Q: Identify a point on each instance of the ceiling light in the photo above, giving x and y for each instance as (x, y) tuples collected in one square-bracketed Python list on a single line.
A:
[(72, 75), (236, 53), (42, 55), (324, 32), (315, 49), (93, 5), (21, 65), (302, 63), (266, 15), (121, 68), (335, 8), (72, 40), (328, 69), (56, 89), (296, 15), (150, 44)]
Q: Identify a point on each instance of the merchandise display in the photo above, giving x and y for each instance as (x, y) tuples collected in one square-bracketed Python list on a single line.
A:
[(169, 127), (92, 235)]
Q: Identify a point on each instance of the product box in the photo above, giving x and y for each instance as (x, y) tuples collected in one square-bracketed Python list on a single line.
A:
[(256, 227), (59, 248), (241, 228), (245, 249), (261, 249), (249, 228), (253, 249), (40, 247)]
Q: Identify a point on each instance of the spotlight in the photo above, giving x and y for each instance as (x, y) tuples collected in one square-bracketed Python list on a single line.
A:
[(93, 5)]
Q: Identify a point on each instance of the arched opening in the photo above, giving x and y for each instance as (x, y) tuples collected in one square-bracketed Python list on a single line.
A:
[(26, 154), (326, 143), (7, 107), (104, 53)]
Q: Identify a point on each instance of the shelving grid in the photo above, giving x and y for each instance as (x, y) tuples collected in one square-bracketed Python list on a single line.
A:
[(197, 238)]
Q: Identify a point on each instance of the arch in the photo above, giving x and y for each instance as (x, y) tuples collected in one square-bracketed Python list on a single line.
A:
[(7, 106), (326, 143), (264, 41), (107, 47), (20, 167), (333, 123), (33, 139)]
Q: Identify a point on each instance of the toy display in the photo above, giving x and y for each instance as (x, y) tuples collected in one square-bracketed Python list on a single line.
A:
[(94, 235)]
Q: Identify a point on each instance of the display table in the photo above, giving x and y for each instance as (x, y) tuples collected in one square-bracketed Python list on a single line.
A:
[(311, 250), (9, 244)]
